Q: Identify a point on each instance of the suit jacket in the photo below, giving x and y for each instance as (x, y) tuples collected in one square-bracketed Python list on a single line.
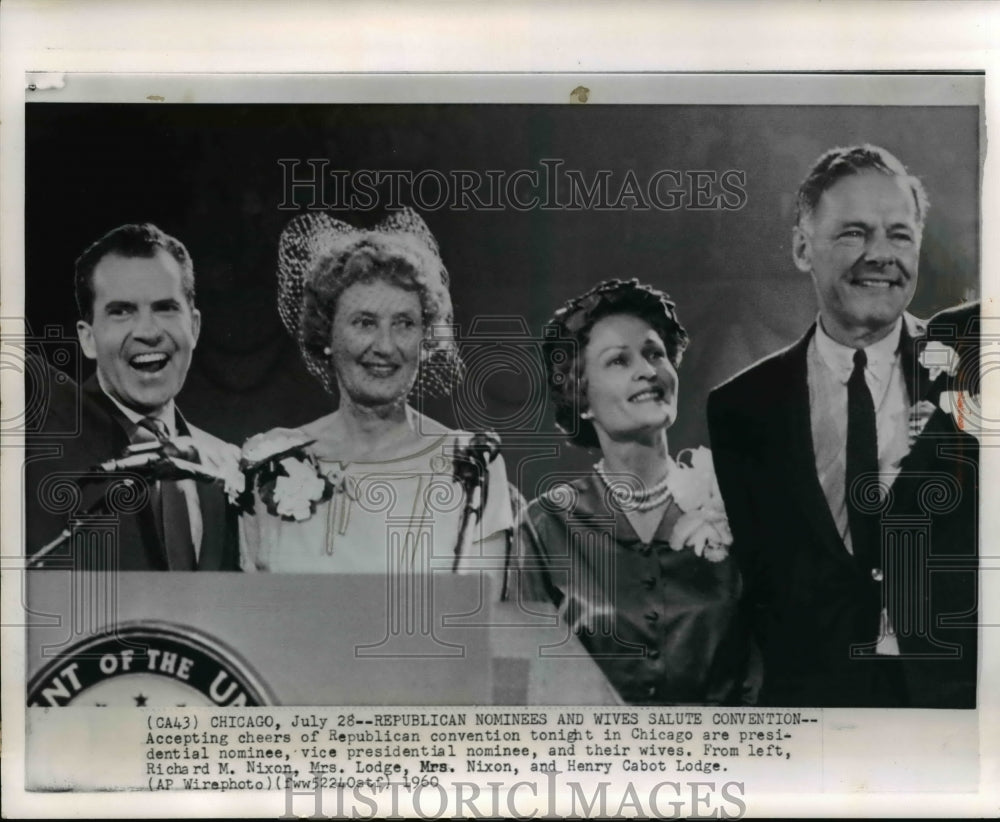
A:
[(58, 486), (815, 609)]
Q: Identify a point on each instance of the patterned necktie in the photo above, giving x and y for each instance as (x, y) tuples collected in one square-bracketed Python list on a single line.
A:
[(862, 459), (173, 521)]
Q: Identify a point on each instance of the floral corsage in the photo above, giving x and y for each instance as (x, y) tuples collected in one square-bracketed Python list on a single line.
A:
[(703, 526), (942, 363), (287, 478)]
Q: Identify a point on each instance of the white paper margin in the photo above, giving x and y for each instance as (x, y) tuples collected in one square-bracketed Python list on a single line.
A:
[(577, 39)]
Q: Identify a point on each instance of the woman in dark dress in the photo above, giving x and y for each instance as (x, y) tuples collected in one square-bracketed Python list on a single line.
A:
[(636, 554)]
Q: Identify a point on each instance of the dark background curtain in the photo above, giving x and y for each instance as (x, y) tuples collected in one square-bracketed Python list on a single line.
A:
[(210, 175)]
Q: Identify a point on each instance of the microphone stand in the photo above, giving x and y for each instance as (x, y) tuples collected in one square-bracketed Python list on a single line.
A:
[(163, 467), (99, 506), (470, 469)]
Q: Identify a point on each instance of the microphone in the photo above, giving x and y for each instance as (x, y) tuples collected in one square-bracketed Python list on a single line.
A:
[(161, 459), (135, 462)]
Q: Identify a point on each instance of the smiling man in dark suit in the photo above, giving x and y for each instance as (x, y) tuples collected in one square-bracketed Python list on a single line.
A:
[(823, 466), (138, 321)]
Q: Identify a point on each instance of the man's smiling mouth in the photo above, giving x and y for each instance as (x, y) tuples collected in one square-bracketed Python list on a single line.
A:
[(877, 277), (149, 362)]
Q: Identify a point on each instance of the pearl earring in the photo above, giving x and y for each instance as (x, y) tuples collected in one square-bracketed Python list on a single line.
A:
[(586, 415), (327, 351)]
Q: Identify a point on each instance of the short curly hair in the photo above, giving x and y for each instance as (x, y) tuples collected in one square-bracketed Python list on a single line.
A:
[(370, 258), (566, 336)]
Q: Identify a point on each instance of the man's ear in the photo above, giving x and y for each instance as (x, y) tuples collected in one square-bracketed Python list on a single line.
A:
[(86, 336), (802, 249), (195, 325)]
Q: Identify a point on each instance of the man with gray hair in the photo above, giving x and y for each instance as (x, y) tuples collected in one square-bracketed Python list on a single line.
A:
[(815, 449)]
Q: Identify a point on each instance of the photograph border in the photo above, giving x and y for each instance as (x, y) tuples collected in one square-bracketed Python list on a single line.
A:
[(33, 44)]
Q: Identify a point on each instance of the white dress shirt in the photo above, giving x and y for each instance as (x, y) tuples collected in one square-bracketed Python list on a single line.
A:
[(829, 367)]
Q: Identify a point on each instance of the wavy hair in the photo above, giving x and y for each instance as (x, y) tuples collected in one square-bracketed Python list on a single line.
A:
[(566, 336)]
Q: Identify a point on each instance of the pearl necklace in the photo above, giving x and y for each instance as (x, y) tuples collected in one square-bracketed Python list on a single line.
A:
[(629, 499)]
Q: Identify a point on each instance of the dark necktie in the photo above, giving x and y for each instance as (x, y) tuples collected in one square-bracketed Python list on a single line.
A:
[(173, 520), (862, 459)]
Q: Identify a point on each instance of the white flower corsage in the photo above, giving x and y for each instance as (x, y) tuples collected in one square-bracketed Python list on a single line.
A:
[(287, 478), (942, 362), (939, 359), (703, 526)]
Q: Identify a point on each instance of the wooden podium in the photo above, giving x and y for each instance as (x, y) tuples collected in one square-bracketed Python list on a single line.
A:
[(433, 639)]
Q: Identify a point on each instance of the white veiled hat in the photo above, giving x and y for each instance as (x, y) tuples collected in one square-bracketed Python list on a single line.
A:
[(316, 245)]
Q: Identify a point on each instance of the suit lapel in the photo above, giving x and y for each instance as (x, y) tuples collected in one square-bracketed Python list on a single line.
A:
[(213, 521), (107, 431), (924, 452), (115, 429), (807, 493), (917, 378)]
